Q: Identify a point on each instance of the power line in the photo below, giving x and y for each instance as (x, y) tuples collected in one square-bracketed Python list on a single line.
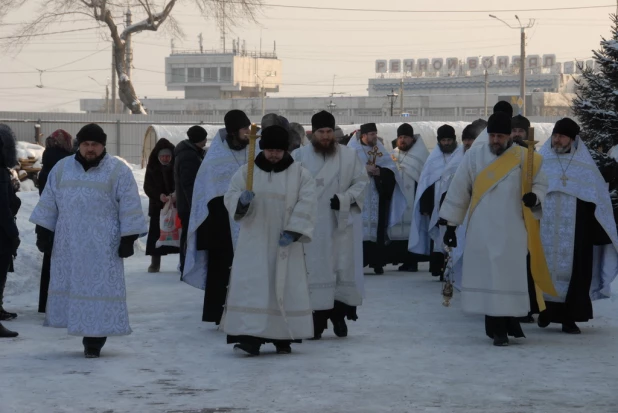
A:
[(47, 34), (54, 71), (285, 6), (79, 60)]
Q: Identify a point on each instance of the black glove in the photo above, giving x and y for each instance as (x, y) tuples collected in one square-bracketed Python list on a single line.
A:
[(44, 240), (530, 199), (15, 244), (334, 203), (450, 239), (125, 250)]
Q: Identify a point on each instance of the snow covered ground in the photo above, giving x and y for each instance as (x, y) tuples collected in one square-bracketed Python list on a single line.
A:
[(407, 353)]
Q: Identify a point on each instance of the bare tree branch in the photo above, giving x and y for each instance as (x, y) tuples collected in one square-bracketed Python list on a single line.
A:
[(227, 12)]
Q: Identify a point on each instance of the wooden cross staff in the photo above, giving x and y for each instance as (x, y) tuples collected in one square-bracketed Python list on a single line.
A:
[(375, 152), (530, 169), (251, 157)]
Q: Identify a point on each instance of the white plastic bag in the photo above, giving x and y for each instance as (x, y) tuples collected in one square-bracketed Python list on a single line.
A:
[(169, 235)]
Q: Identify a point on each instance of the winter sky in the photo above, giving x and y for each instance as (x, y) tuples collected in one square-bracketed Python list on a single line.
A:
[(314, 45)]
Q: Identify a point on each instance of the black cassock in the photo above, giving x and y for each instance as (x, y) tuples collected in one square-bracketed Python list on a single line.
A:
[(588, 233), (374, 253), (215, 236), (426, 206)]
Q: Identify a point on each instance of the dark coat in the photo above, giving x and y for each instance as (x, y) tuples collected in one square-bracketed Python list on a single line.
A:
[(51, 157), (159, 179), (9, 205), (188, 160)]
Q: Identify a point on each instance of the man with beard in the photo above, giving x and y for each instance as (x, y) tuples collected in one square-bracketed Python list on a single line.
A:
[(578, 229), (212, 235), (409, 157), (519, 132), (438, 171), (502, 227), (384, 200), (334, 254), (471, 132), (92, 210)]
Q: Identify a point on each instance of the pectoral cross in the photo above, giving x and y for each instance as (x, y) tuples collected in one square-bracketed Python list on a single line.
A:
[(374, 153), (564, 179)]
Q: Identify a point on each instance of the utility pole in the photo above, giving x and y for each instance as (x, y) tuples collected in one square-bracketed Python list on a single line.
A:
[(107, 98), (400, 97), (522, 63), (486, 87), (522, 72), (201, 37), (114, 82), (128, 51)]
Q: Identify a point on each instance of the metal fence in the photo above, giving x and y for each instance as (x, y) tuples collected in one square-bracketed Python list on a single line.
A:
[(125, 133)]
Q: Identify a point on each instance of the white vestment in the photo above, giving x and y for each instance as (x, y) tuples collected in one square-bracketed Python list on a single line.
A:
[(89, 211), (334, 259), (372, 197), (439, 169), (409, 167), (495, 279), (212, 181), (585, 182), (268, 295)]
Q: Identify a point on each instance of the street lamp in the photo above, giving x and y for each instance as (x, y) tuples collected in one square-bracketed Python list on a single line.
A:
[(262, 79), (522, 58), (331, 106), (392, 97)]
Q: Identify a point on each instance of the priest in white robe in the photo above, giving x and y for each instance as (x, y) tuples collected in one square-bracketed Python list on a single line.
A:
[(384, 202), (409, 156), (578, 229), (438, 171), (92, 211), (268, 298), (503, 209), (212, 235), (334, 256)]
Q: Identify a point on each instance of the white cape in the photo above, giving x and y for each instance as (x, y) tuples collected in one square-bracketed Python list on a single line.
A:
[(372, 198), (89, 212), (334, 257), (268, 295), (438, 169), (212, 180), (409, 167), (584, 182)]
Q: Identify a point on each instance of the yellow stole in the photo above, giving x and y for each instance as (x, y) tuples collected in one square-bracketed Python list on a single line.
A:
[(486, 180)]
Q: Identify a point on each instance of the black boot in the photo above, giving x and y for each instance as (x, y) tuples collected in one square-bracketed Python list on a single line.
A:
[(544, 319), (320, 322), (249, 345), (283, 348), (379, 270), (5, 333), (93, 346), (527, 319), (501, 340), (340, 328), (570, 328), (5, 315), (155, 263)]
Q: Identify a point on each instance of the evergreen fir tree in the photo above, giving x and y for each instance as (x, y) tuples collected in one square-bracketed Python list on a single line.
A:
[(596, 104)]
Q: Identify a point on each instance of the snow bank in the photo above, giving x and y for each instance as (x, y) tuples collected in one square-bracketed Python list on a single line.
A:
[(27, 150), (29, 259)]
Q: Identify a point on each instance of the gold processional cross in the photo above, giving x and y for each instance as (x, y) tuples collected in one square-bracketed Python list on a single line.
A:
[(372, 155), (530, 170)]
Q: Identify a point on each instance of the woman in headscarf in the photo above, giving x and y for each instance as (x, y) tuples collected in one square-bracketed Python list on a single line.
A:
[(58, 146), (159, 187)]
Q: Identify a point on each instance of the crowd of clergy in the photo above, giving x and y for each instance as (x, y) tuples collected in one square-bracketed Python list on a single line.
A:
[(278, 235)]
